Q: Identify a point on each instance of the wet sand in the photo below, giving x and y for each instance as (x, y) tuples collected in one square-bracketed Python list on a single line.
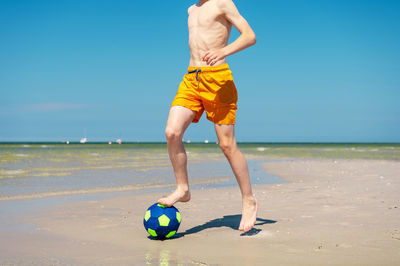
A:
[(330, 212)]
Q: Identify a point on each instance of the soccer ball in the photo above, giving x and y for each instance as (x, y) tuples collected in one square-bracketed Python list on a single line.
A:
[(161, 221)]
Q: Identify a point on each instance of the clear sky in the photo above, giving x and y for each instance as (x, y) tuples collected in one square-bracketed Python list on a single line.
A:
[(320, 71)]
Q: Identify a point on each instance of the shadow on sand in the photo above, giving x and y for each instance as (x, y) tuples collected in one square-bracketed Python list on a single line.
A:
[(231, 221)]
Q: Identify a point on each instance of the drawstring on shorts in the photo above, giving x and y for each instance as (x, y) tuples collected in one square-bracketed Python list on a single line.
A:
[(195, 71)]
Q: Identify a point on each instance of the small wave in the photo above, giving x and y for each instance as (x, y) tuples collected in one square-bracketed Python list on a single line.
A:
[(261, 148), (21, 154), (14, 172), (80, 191), (102, 190), (366, 150)]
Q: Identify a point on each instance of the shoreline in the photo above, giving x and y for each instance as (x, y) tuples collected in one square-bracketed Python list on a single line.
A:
[(204, 175), (331, 211)]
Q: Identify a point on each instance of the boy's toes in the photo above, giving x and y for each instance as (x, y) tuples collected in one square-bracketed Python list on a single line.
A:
[(241, 228), (163, 201), (248, 227)]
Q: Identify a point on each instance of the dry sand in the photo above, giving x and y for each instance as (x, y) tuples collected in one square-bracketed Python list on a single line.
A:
[(331, 212)]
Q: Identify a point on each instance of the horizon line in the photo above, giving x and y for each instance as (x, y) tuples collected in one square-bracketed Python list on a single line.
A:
[(198, 142)]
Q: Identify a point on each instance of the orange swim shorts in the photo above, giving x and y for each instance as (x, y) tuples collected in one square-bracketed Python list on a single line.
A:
[(211, 89)]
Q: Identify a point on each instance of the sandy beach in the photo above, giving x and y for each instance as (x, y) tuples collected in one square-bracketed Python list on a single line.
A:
[(330, 212)]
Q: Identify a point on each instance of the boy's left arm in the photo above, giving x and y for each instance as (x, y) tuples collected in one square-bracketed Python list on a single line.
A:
[(247, 36)]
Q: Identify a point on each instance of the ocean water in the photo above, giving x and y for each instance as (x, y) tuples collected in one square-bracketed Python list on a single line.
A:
[(43, 170)]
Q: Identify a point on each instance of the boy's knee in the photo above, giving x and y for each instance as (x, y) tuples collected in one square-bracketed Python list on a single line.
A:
[(227, 147), (173, 134)]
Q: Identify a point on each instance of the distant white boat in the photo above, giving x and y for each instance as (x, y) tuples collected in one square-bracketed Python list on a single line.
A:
[(206, 141), (84, 139), (119, 141)]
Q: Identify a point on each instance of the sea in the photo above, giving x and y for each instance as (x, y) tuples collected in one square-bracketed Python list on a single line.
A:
[(90, 171)]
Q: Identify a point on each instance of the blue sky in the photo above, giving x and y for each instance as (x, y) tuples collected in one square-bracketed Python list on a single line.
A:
[(320, 71)]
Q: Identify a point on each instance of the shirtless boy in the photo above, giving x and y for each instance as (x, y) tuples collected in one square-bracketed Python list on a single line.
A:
[(208, 86)]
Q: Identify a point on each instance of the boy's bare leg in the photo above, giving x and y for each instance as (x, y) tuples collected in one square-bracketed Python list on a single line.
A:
[(227, 142), (178, 120)]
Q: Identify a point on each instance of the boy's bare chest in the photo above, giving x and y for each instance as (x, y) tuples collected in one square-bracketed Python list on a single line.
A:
[(205, 16)]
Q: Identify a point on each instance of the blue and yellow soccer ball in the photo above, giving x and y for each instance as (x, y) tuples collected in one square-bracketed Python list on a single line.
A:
[(162, 222)]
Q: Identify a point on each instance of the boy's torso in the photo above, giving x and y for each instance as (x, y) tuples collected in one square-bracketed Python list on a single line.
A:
[(208, 30)]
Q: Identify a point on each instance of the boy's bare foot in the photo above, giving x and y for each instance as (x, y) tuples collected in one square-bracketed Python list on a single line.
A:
[(177, 195), (249, 214)]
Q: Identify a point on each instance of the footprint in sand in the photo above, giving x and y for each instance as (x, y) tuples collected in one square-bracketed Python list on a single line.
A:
[(344, 245), (395, 234)]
